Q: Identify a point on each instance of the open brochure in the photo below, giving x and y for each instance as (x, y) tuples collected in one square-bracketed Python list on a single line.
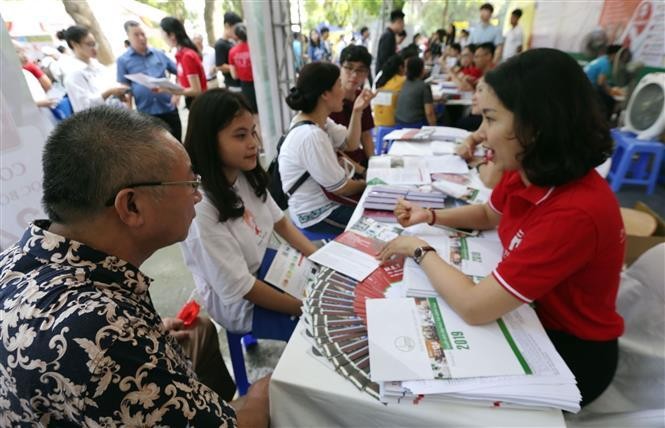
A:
[(354, 252), (290, 270)]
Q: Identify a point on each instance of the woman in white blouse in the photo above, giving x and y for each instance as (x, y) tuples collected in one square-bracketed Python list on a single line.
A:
[(234, 221), (88, 85), (311, 149)]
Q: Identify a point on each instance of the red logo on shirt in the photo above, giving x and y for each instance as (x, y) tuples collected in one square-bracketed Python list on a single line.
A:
[(250, 221)]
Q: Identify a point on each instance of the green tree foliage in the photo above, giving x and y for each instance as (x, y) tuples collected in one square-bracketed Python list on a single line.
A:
[(432, 12), (340, 12)]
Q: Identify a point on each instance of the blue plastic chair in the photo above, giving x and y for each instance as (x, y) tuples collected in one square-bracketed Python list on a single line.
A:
[(380, 132), (63, 109), (635, 161), (269, 325)]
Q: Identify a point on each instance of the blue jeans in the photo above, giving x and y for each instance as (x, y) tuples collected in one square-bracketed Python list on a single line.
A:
[(335, 223)]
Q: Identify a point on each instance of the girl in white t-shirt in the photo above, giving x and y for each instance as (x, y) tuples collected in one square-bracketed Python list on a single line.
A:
[(311, 148), (235, 219)]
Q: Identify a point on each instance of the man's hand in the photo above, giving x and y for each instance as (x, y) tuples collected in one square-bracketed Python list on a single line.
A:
[(175, 327)]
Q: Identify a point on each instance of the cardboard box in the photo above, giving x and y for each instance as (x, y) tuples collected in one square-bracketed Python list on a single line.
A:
[(637, 245)]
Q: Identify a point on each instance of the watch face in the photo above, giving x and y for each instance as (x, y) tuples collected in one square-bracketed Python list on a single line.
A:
[(418, 253)]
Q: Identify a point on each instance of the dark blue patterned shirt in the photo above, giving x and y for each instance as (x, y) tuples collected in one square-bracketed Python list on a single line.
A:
[(82, 344)]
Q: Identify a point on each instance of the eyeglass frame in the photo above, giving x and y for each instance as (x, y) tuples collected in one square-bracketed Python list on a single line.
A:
[(196, 183), (358, 71)]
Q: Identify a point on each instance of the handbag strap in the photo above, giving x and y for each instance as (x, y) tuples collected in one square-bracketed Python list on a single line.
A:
[(299, 182)]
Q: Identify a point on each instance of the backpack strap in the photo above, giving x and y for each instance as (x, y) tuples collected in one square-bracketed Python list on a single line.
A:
[(299, 182)]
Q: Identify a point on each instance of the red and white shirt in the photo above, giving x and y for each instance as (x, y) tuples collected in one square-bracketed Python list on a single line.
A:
[(188, 63), (240, 58), (563, 249)]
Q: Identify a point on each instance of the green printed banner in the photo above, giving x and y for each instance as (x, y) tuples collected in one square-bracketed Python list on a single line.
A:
[(444, 340)]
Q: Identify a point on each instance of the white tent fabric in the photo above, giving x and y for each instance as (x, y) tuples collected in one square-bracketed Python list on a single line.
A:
[(636, 396)]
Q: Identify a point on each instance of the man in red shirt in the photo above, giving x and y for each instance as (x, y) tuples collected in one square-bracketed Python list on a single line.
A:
[(241, 66)]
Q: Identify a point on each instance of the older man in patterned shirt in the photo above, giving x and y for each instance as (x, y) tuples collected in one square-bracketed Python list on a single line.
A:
[(80, 340)]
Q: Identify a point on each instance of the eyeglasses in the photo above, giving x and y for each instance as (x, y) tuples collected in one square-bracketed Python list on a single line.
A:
[(196, 183), (359, 71)]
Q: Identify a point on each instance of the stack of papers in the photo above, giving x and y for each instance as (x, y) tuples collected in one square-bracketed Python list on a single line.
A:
[(420, 347), (354, 252), (384, 198)]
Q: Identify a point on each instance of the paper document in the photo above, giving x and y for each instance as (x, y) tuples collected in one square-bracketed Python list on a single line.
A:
[(449, 164), (354, 252), (290, 270), (153, 82), (405, 333), (396, 346)]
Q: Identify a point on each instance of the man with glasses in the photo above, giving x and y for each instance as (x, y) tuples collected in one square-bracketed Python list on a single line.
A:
[(81, 342), (356, 61)]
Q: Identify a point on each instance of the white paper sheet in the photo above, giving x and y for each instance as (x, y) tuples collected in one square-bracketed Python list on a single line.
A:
[(449, 164), (153, 82), (346, 260), (396, 346)]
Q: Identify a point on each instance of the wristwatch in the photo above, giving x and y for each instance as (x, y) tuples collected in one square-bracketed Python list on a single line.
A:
[(420, 252)]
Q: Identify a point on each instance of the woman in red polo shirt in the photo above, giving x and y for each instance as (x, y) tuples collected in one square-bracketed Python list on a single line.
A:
[(241, 66), (191, 75), (558, 220)]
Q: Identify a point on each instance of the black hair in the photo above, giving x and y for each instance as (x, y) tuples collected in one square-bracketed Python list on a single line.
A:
[(396, 14), (61, 49), (172, 25), (517, 13), (211, 112), (311, 41), (73, 34), (232, 18), (409, 51), (389, 70), (95, 153), (557, 118), (472, 47), (126, 43), (241, 32), (415, 38), (450, 38), (612, 49), (488, 46), (456, 46), (487, 6), (356, 53), (363, 29), (464, 31), (314, 79), (414, 68), (324, 30)]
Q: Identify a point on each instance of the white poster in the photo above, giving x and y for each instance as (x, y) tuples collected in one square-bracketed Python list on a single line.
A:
[(23, 132), (645, 33)]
